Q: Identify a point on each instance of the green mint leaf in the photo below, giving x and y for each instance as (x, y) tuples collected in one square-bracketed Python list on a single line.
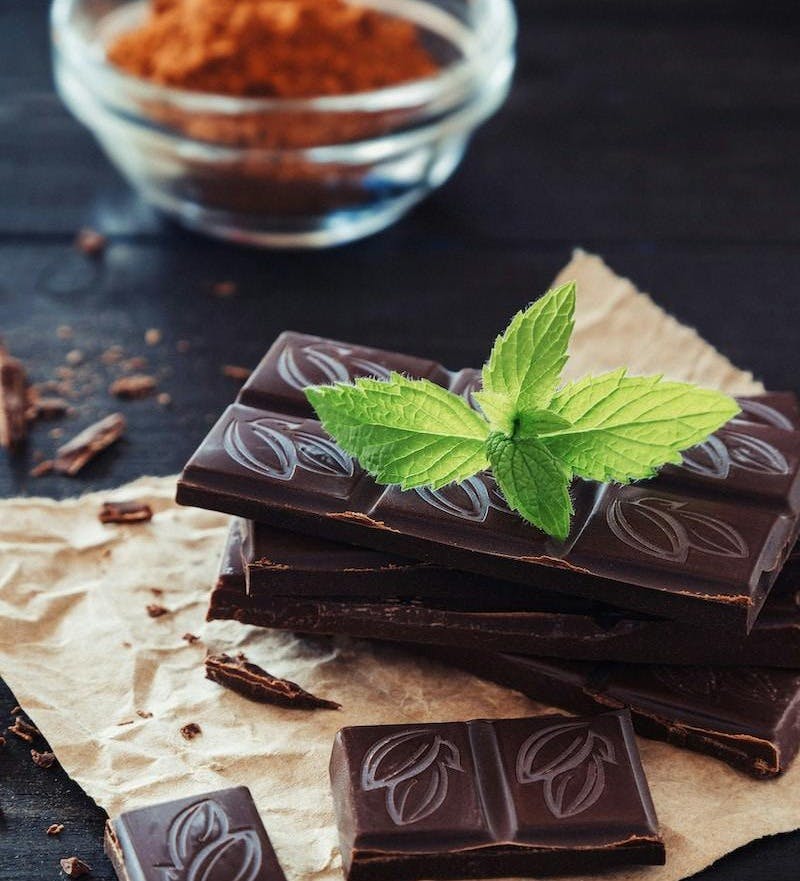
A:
[(526, 361), (533, 423), (403, 431), (533, 481), (497, 409), (625, 427)]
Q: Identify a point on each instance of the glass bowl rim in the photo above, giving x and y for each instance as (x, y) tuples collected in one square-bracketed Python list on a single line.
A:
[(456, 77)]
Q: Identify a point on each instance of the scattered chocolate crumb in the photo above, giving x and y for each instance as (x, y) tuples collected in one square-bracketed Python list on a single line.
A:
[(183, 346), (190, 638), (253, 682), (157, 591), (144, 714), (64, 332), (63, 372), (2, 740), (164, 399), (127, 645), (56, 433), (112, 355), (13, 401), (125, 512), (154, 610), (134, 364), (45, 407), (24, 730), (15, 711), (74, 454), (74, 357), (138, 385), (125, 722), (72, 867), (43, 760), (233, 371), (90, 241), (224, 289), (55, 829), (42, 468), (152, 336), (191, 730)]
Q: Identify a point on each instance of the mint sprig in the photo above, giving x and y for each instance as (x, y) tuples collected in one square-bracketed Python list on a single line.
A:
[(535, 437)]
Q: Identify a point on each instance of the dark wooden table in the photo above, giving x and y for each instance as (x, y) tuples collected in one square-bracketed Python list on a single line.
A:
[(662, 135)]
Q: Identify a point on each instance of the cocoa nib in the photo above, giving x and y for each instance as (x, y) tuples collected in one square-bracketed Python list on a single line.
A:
[(137, 385), (72, 867), (13, 401), (55, 829), (73, 455), (125, 512), (191, 730), (24, 730), (234, 371), (253, 682), (43, 760), (155, 610)]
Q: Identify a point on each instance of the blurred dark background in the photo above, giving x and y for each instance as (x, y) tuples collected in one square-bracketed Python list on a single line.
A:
[(663, 135)]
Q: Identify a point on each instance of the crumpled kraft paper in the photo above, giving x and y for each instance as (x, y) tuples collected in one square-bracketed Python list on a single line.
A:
[(82, 655)]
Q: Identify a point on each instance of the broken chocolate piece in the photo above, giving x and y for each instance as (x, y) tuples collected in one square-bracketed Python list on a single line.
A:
[(72, 867), (13, 401), (125, 512), (43, 760), (24, 730), (191, 730), (250, 680), (74, 454), (137, 385)]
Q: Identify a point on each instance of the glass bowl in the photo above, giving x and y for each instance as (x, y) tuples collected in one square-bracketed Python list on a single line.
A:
[(289, 173)]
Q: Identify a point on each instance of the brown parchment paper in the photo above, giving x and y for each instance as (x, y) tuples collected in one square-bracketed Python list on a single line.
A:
[(80, 652)]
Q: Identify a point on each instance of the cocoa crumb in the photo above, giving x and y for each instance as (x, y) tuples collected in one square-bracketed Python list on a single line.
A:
[(224, 289), (74, 454), (125, 512), (72, 867), (136, 363), (138, 385), (154, 610), (24, 730), (190, 638), (233, 371), (63, 372), (42, 468), (112, 355), (55, 829), (191, 730), (164, 399), (15, 711), (152, 336), (2, 740), (56, 433), (43, 760), (144, 714), (89, 241), (45, 407), (74, 357), (64, 332), (157, 591), (127, 645)]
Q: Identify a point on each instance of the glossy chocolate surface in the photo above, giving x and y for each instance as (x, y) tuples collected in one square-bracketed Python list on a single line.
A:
[(552, 625), (218, 835), (489, 798), (694, 545), (748, 717)]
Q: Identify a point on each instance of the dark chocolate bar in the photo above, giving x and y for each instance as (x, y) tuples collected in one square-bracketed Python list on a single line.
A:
[(748, 717), (500, 798), (553, 625), (216, 835), (696, 544)]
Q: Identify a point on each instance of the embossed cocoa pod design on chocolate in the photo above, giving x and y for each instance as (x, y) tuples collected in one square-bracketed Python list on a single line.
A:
[(668, 529), (414, 768), (275, 448), (472, 499), (322, 363), (758, 413), (709, 458), (569, 759), (203, 848), (754, 454)]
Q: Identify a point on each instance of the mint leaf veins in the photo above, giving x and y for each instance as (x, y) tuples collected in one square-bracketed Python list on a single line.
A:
[(535, 437)]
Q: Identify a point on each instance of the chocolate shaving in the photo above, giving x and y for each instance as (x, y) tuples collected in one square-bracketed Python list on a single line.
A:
[(45, 467), (13, 401), (43, 760), (24, 730), (74, 454), (72, 867), (155, 610), (15, 711), (125, 512), (137, 385), (191, 730), (233, 371), (250, 680), (55, 829)]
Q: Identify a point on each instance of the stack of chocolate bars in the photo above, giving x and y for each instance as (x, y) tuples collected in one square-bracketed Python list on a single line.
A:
[(676, 597)]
